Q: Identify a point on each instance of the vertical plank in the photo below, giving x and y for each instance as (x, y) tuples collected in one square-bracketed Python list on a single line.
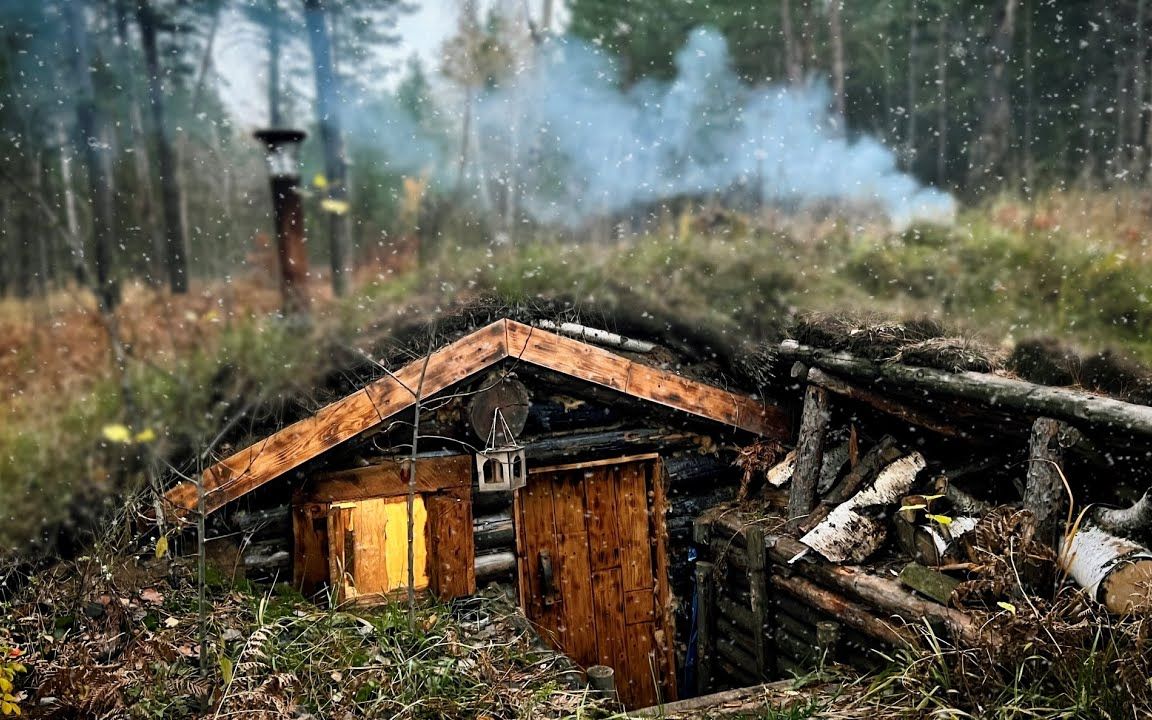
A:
[(451, 544), (645, 672), (573, 572), (666, 628), (705, 611), (603, 521), (539, 536), (758, 582), (338, 524), (635, 529), (608, 598)]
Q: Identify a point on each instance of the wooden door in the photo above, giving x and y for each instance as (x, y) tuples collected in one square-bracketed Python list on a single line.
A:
[(592, 571)]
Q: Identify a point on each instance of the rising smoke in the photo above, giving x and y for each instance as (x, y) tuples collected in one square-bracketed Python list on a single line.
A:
[(575, 146)]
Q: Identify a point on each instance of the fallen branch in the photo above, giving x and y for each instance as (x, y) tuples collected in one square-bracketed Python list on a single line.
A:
[(990, 390)]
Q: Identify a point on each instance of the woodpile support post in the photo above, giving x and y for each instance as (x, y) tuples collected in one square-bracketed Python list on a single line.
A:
[(758, 585), (705, 610), (809, 453), (1044, 494)]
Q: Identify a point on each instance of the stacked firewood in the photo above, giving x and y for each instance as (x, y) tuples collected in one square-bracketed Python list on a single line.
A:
[(847, 499)]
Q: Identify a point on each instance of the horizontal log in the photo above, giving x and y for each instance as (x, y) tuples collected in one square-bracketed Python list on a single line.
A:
[(495, 566), (1112, 570), (493, 531), (879, 592), (843, 610), (727, 650), (990, 390), (622, 442), (797, 648), (254, 520), (884, 403), (694, 707), (738, 614), (740, 637), (800, 628)]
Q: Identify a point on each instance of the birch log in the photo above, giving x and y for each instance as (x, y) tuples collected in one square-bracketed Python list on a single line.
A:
[(849, 533), (1112, 570)]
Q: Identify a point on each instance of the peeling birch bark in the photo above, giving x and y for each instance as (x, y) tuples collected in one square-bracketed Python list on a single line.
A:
[(1114, 571), (849, 533)]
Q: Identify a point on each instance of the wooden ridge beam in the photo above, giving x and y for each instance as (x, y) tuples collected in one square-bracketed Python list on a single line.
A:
[(607, 369), (344, 419)]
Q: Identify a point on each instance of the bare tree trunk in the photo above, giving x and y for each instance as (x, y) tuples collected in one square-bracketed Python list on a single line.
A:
[(791, 48), (465, 141), (328, 115), (942, 92), (835, 25), (990, 150), (92, 139), (144, 195), (1139, 93), (913, 42), (174, 242), (1030, 103)]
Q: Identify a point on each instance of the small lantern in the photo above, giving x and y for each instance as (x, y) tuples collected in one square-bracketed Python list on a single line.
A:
[(501, 466), (282, 147)]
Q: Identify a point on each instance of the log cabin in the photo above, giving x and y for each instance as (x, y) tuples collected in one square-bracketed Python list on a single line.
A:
[(566, 461), (636, 498)]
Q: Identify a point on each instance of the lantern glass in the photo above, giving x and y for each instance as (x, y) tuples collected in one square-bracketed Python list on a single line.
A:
[(282, 151)]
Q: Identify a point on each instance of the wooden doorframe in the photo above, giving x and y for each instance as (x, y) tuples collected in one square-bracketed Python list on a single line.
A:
[(659, 528)]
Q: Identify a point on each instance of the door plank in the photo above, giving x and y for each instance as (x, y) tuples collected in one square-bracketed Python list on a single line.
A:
[(574, 574), (539, 535), (635, 527), (645, 675), (608, 598), (603, 522)]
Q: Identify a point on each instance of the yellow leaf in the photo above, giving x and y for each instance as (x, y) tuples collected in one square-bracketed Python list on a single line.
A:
[(226, 669), (162, 547), (942, 519), (5, 685), (145, 435), (117, 433), (913, 507), (1007, 606), (320, 181), (336, 207)]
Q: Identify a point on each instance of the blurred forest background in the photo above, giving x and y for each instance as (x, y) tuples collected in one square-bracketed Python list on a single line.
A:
[(982, 161)]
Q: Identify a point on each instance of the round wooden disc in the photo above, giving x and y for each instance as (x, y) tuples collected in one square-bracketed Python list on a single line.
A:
[(506, 395)]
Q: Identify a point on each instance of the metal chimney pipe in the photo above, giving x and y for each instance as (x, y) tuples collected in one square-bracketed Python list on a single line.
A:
[(282, 147)]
